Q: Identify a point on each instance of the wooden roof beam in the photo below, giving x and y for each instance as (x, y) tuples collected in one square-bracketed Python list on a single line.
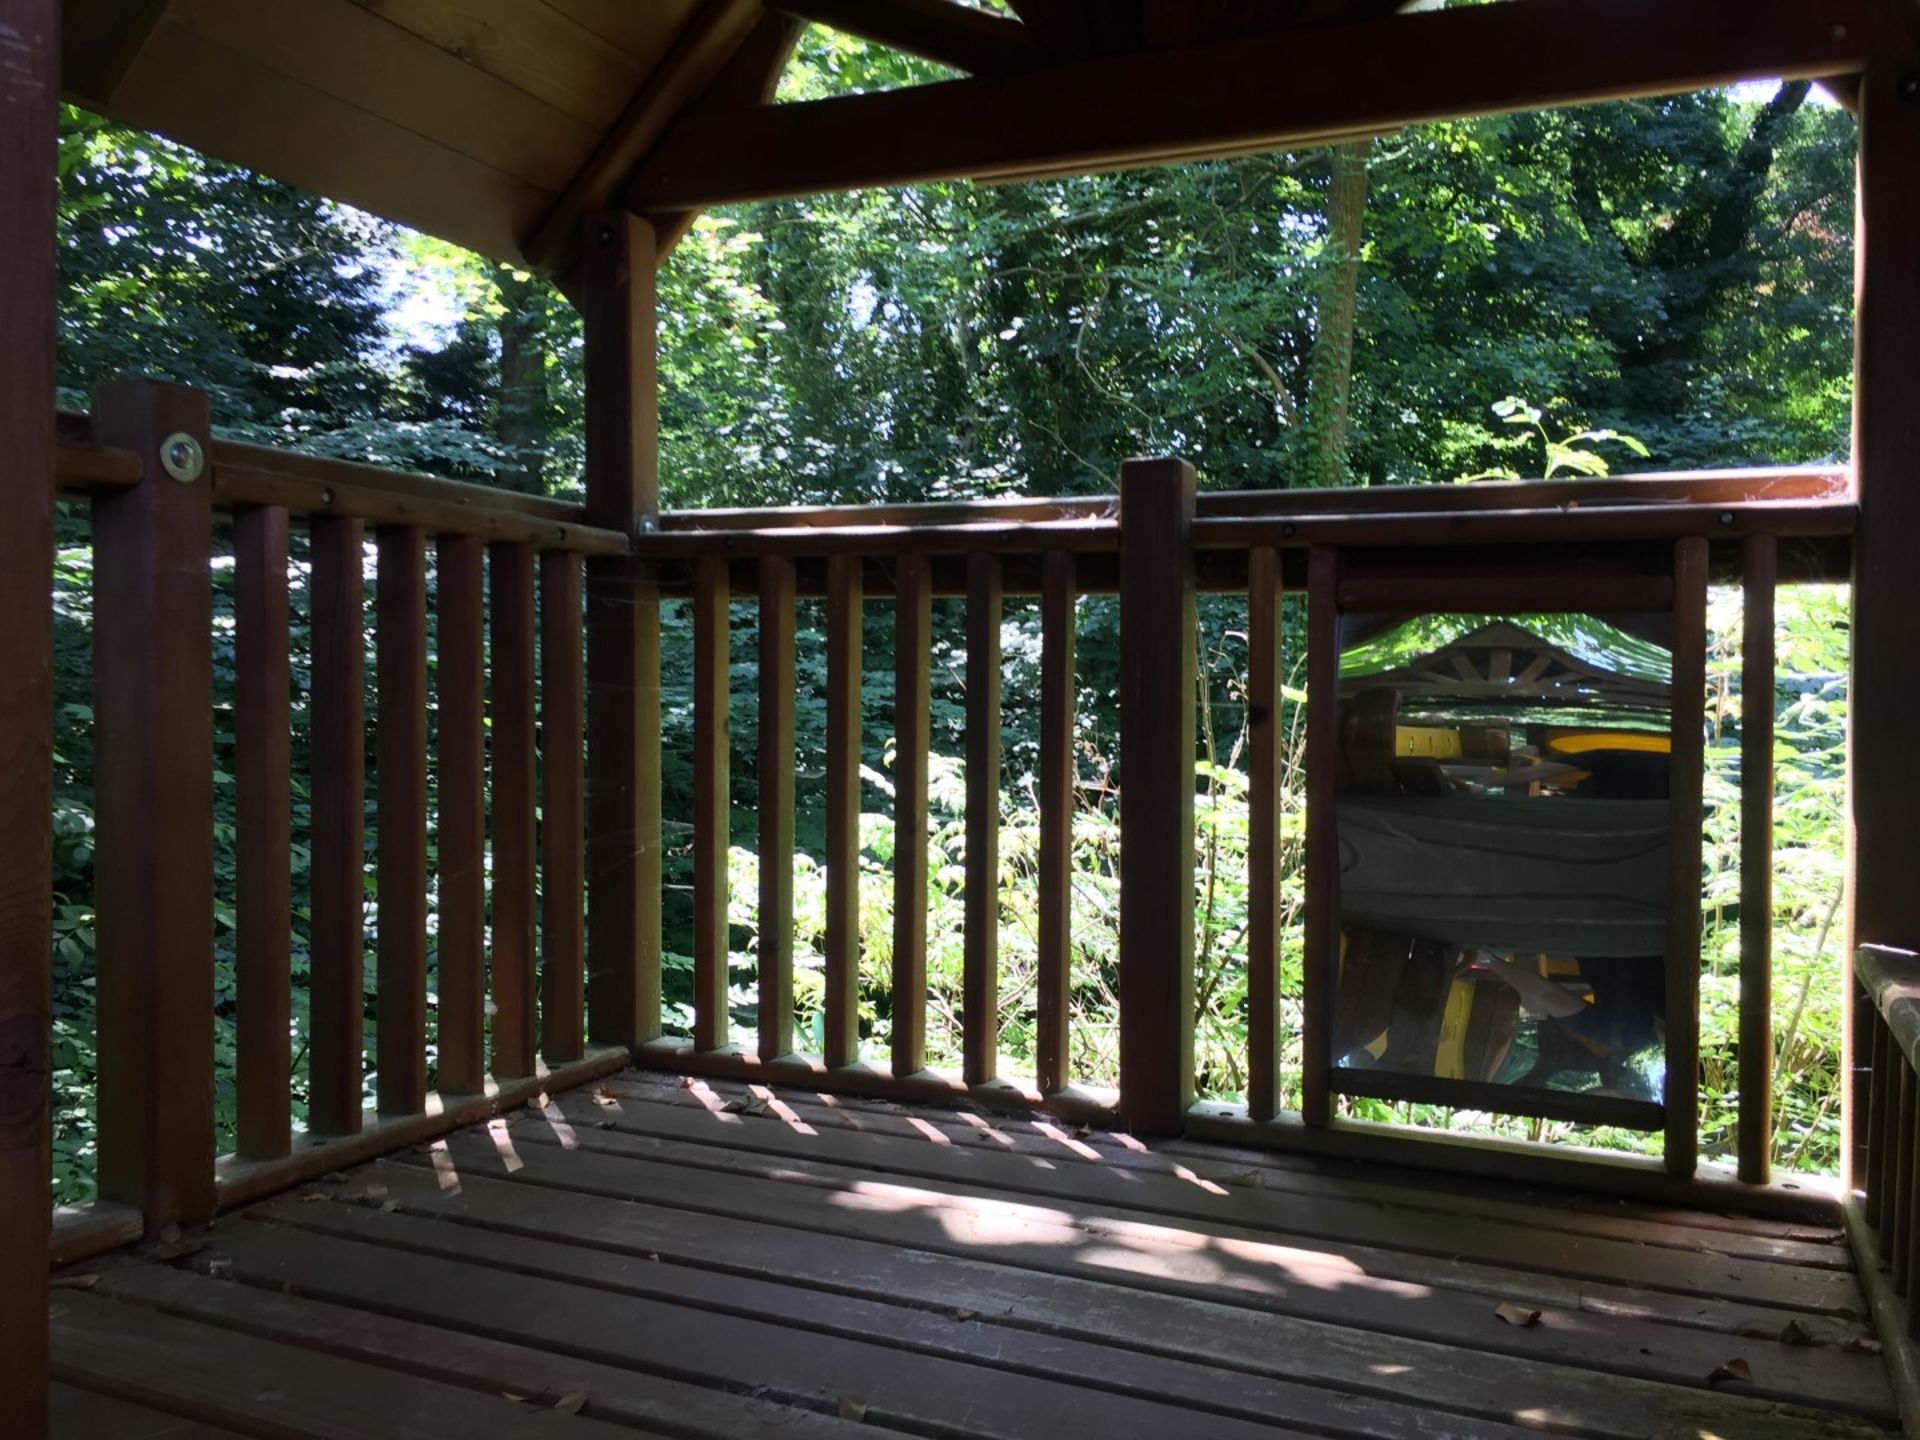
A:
[(699, 55), (1259, 93), (972, 41)]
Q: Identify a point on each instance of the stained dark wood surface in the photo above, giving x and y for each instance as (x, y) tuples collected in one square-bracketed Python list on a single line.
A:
[(712, 1260), (400, 766), (28, 88), (460, 786), (515, 846), (562, 822), (263, 766), (775, 759)]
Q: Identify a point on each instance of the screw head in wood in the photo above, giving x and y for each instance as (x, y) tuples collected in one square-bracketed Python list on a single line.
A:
[(182, 458), (1910, 87)]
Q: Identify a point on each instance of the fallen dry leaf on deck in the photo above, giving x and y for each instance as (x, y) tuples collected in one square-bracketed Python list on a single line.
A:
[(1517, 1314), (745, 1105), (387, 1207), (1795, 1333), (1735, 1369), (964, 1314), (604, 1096), (571, 1404), (1862, 1345), (74, 1282), (312, 1195), (853, 1407)]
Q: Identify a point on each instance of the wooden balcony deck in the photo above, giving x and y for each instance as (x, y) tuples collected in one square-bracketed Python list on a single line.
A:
[(693, 1259)]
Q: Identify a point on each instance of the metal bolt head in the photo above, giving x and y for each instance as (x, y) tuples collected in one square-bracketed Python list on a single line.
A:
[(182, 458), (1289, 530), (648, 525), (1726, 517), (1910, 87), (1839, 32)]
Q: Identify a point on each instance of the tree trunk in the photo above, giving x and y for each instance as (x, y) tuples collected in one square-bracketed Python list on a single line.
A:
[(1330, 370), (521, 422)]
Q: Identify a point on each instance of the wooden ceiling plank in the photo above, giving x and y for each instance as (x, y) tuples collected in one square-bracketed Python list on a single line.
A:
[(971, 41), (643, 31), (700, 53), (530, 46), (346, 51), (191, 89), (98, 42), (1072, 28), (1258, 93)]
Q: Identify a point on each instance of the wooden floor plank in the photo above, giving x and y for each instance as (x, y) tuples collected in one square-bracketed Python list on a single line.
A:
[(87, 1415), (1385, 1241), (1307, 1174), (1364, 1338), (290, 1392), (907, 1149), (908, 1321), (808, 1356), (473, 1361)]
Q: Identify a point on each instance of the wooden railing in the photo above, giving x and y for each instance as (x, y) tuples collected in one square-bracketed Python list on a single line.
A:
[(1639, 545), (156, 480)]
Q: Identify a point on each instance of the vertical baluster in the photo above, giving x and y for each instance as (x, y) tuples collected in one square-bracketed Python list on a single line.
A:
[(711, 830), (1685, 766), (774, 782), (1158, 618), (1911, 1276), (263, 764), (1900, 1188), (562, 823), (912, 738), (400, 652), (1875, 1121), (515, 843), (1321, 978), (1760, 572), (153, 797), (845, 604), (462, 848), (980, 1045), (1265, 762), (338, 948), (1059, 707)]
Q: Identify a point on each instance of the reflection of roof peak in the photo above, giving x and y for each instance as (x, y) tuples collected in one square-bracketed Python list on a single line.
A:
[(1553, 657)]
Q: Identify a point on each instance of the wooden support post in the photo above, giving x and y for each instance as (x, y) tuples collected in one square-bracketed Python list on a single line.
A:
[(153, 805), (336, 1043), (400, 765), (712, 808), (29, 95), (845, 658), (462, 959), (562, 881), (1157, 666), (515, 840), (1266, 762), (617, 301), (1884, 774), (774, 781), (1059, 709), (912, 740), (980, 983), (1685, 769), (1320, 978), (1760, 573), (263, 767)]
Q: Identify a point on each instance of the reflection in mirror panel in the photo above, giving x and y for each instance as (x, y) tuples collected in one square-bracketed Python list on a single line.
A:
[(1503, 860)]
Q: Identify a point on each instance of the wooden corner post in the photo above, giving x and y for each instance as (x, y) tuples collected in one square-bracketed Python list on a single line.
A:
[(29, 96), (616, 297), (1157, 662), (1883, 770), (153, 804)]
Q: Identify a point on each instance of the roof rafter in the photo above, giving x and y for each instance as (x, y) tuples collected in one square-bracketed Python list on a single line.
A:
[(700, 53), (1266, 92), (944, 31)]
